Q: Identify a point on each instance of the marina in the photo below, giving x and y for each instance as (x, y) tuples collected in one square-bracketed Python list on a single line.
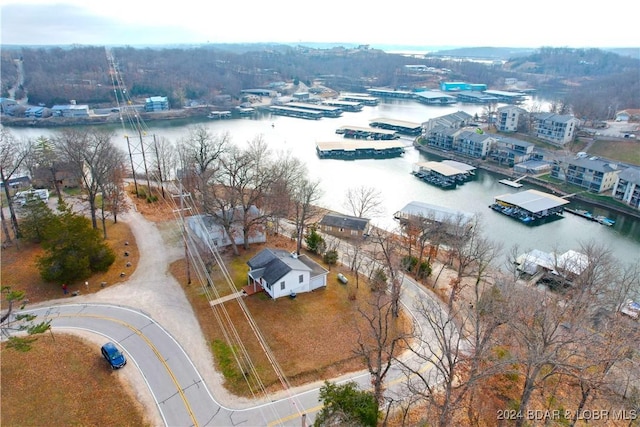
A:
[(392, 176), (351, 150), (531, 207)]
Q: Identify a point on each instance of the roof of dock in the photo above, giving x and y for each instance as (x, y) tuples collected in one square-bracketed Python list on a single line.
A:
[(441, 168), (366, 129), (437, 213), (459, 165), (399, 123), (358, 145), (533, 200)]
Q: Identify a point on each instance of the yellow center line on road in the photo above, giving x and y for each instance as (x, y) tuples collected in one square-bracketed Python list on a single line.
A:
[(154, 349)]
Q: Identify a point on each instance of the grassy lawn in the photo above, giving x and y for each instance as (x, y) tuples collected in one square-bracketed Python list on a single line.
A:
[(64, 381), (623, 150), (312, 336), (19, 269)]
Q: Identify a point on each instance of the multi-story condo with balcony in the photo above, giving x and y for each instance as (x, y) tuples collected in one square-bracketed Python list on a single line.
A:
[(557, 129), (591, 173), (627, 187), (509, 117)]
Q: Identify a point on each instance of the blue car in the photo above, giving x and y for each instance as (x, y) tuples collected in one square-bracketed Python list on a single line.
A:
[(113, 355)]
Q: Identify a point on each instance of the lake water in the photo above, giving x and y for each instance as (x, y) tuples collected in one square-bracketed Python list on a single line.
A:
[(392, 177)]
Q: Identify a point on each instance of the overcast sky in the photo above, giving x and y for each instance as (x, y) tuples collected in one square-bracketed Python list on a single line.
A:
[(423, 23)]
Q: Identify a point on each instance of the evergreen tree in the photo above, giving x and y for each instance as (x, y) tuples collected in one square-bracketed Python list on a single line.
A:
[(35, 217), (346, 405), (314, 241), (74, 249)]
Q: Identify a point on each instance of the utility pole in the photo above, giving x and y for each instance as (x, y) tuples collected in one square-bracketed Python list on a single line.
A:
[(184, 232)]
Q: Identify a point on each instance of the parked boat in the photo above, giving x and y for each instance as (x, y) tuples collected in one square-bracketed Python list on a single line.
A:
[(580, 212), (604, 220), (600, 219)]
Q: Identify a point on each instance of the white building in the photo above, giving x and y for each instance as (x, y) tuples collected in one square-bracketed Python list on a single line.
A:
[(281, 273)]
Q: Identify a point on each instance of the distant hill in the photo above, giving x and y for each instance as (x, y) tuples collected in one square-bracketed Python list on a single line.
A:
[(494, 53)]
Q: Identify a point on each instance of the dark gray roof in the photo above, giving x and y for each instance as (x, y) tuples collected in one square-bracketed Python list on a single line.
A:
[(344, 221), (474, 136), (557, 118), (272, 264), (514, 141), (631, 175), (593, 163)]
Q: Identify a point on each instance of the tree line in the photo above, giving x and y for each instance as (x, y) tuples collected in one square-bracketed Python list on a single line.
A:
[(593, 82)]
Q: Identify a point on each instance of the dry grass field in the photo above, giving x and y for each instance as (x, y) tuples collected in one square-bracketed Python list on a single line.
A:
[(313, 336), (64, 381)]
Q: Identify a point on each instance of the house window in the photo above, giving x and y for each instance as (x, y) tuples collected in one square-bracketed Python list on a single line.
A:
[(268, 285), (300, 278), (282, 286)]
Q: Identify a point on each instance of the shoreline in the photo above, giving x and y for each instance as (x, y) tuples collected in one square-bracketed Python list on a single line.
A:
[(480, 164)]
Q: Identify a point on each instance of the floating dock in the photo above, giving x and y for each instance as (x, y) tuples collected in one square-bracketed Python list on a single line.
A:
[(359, 132), (352, 150), (591, 217), (400, 126), (530, 207), (514, 184), (217, 115), (447, 174)]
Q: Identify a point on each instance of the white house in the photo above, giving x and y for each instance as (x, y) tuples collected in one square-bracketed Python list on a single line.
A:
[(211, 232), (281, 273)]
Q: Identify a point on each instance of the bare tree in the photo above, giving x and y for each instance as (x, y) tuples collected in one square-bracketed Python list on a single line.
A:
[(199, 153), (387, 253), (286, 171), (305, 194), (112, 187), (364, 201), (12, 155), (90, 153), (460, 335), (45, 156), (378, 339)]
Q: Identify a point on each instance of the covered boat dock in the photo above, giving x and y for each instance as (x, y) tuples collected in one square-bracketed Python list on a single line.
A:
[(351, 150), (295, 112), (440, 174), (400, 126), (530, 206), (359, 132)]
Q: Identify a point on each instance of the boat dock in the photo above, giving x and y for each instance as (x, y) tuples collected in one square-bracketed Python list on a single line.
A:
[(295, 112), (352, 150), (400, 126), (530, 207), (216, 115), (326, 110), (600, 219), (344, 105), (446, 174), (359, 132), (515, 183), (364, 99)]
